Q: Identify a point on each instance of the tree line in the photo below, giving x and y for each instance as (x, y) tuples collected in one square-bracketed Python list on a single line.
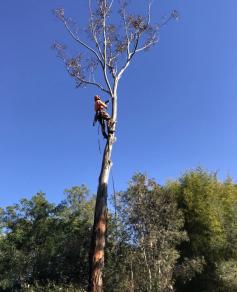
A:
[(181, 236)]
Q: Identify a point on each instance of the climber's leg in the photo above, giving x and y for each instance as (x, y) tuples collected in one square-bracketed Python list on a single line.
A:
[(102, 123)]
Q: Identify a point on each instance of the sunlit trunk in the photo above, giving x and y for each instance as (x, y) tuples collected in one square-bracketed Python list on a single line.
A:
[(98, 240)]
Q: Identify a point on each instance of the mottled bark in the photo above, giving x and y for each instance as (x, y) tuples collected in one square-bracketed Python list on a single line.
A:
[(97, 249)]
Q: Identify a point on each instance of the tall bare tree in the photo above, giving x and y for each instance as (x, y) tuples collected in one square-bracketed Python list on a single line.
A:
[(111, 44)]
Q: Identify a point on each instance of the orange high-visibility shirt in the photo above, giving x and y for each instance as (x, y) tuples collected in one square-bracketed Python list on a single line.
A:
[(100, 105)]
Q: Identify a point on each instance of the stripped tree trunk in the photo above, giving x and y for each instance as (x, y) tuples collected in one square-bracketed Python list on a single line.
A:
[(113, 52), (97, 249)]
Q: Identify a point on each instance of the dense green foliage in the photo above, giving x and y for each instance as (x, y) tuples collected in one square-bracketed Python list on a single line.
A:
[(210, 211), (43, 243), (179, 237), (149, 230)]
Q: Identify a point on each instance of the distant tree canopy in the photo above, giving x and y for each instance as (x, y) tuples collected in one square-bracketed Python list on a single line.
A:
[(178, 237), (210, 212), (43, 243)]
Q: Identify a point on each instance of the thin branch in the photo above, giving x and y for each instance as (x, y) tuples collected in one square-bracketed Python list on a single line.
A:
[(111, 4), (93, 83), (147, 46), (123, 11), (94, 29), (149, 12), (105, 50), (81, 42), (135, 47), (82, 80), (153, 41), (103, 64), (129, 58)]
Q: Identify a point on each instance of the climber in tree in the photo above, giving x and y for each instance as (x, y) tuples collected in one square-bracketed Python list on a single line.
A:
[(101, 115)]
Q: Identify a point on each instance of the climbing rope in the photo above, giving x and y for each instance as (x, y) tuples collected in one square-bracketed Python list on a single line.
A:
[(116, 215), (99, 139), (115, 197)]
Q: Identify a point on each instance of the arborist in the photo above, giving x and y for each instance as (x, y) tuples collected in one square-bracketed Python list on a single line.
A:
[(101, 115)]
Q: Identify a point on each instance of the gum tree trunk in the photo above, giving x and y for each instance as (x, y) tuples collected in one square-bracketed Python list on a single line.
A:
[(113, 63), (98, 240)]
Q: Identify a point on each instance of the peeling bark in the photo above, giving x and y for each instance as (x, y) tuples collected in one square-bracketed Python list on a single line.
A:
[(97, 248)]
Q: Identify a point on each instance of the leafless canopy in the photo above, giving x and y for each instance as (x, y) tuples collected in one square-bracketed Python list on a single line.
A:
[(106, 45)]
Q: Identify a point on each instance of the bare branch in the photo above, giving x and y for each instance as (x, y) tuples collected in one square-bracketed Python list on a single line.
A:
[(147, 46), (93, 29), (61, 16), (84, 81), (77, 39), (151, 42), (110, 44), (129, 58), (110, 5), (154, 31), (123, 14), (76, 69), (105, 47), (149, 12), (95, 84)]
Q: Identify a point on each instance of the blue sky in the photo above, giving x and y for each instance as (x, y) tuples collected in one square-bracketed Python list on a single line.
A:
[(177, 102)]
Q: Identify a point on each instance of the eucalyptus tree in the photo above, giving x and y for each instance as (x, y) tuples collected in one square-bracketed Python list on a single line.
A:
[(107, 47), (152, 229)]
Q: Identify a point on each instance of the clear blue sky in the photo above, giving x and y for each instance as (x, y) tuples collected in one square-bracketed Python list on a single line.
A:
[(177, 107)]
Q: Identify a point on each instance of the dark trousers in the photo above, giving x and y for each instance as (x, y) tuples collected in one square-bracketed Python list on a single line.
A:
[(103, 116)]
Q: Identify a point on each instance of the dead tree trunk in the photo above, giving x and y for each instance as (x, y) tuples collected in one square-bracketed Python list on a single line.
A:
[(100, 225), (97, 248), (112, 52)]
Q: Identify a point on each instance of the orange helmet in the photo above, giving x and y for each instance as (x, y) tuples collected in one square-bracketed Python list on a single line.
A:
[(96, 97)]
